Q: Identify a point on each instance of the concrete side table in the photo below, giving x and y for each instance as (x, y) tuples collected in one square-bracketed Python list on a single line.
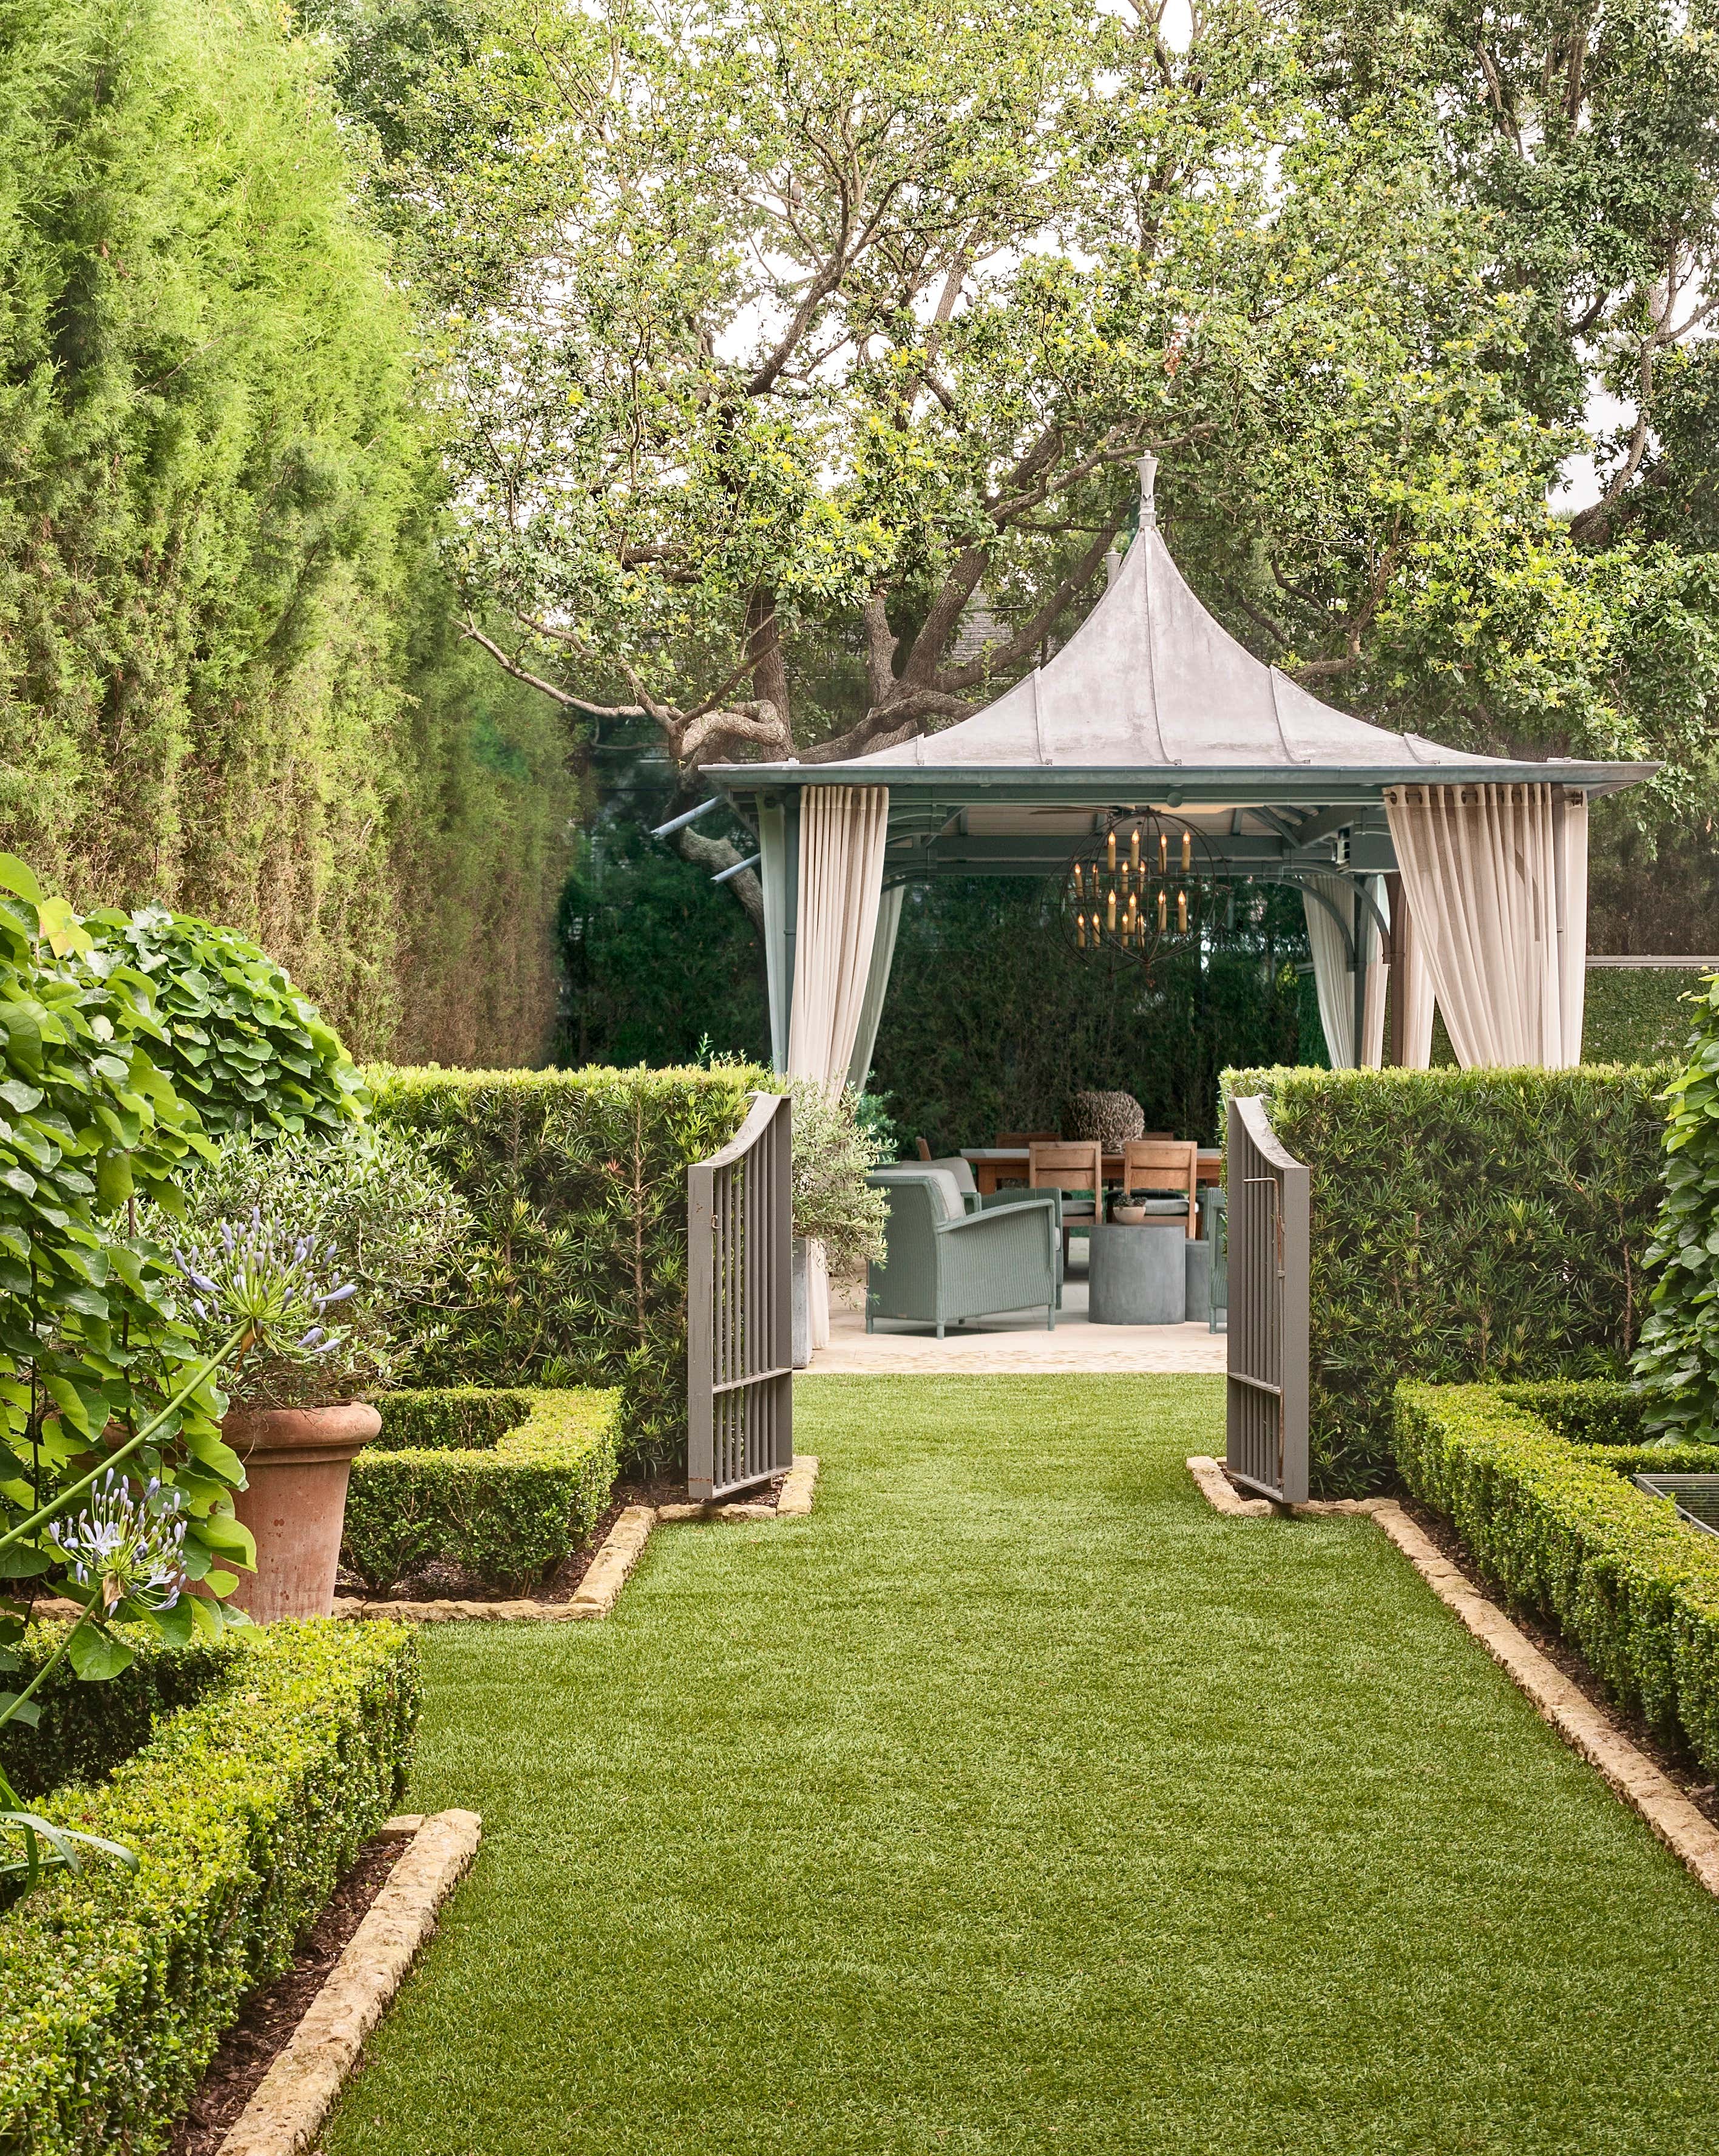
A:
[(1197, 1255), (1137, 1275)]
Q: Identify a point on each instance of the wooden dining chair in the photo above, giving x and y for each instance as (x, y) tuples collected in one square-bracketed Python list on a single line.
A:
[(1163, 1166), (1075, 1167), (925, 1150)]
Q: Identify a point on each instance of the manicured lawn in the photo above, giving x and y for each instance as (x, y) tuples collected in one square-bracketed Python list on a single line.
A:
[(1015, 1802)]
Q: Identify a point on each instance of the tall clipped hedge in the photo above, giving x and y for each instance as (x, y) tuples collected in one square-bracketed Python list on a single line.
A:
[(1677, 1362), (228, 679), (576, 1271), (1466, 1226)]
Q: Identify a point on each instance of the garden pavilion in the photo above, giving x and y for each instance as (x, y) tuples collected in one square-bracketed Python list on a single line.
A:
[(1467, 873)]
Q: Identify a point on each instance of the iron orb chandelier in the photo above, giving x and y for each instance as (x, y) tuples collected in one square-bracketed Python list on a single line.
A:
[(1143, 880)]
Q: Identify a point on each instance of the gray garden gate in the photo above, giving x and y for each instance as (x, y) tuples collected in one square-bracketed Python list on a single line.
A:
[(739, 1305), (1269, 1224)]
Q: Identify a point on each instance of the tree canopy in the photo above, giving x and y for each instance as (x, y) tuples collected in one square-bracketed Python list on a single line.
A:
[(795, 361)]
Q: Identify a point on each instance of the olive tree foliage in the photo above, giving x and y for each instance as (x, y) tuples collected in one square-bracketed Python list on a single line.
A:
[(796, 362)]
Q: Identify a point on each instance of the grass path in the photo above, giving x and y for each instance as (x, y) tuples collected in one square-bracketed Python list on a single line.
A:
[(1014, 1803)]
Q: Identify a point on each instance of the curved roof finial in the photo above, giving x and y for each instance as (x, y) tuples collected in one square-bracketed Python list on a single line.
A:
[(1148, 480)]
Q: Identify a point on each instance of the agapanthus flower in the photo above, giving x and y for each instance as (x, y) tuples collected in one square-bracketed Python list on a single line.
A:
[(128, 1546)]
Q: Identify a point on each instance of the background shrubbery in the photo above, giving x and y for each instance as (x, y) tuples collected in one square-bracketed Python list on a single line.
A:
[(575, 1271), (1465, 1224)]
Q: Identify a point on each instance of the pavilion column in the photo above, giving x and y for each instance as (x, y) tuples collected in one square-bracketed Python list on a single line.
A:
[(1376, 977), (842, 832), (778, 874), (1496, 880)]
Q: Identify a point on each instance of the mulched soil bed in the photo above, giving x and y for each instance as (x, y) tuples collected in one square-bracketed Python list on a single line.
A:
[(1688, 1775), (265, 2027)]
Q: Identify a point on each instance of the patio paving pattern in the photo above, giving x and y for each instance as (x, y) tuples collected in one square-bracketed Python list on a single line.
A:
[(1018, 1341), (1014, 1801)]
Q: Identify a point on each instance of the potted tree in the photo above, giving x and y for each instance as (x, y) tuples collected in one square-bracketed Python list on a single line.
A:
[(336, 1237), (837, 1218)]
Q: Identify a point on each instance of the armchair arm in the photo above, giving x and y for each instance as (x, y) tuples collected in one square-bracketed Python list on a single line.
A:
[(1040, 1201), (1019, 1194)]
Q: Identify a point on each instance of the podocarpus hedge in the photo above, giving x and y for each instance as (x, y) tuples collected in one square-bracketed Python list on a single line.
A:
[(503, 1485), (1568, 1538), (1466, 1225), (575, 1271), (243, 1809)]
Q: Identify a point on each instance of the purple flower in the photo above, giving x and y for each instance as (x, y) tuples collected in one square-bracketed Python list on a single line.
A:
[(126, 1546)]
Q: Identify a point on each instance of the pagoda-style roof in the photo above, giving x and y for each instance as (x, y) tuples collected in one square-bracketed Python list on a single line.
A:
[(1152, 702)]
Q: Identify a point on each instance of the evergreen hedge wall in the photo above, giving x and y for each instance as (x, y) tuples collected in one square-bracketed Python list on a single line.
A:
[(229, 678), (1467, 1225), (575, 1274)]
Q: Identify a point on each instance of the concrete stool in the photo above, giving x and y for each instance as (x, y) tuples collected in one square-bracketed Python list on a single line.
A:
[(1138, 1274)]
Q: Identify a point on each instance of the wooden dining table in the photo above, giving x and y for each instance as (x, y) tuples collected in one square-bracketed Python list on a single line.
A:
[(993, 1166)]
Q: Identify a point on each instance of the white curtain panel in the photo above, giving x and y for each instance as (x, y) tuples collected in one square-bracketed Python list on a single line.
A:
[(1489, 874), (877, 987), (1416, 990), (1332, 976), (842, 832)]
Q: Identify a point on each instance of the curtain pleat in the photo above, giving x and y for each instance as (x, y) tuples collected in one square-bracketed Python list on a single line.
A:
[(1494, 878), (843, 829), (1332, 978)]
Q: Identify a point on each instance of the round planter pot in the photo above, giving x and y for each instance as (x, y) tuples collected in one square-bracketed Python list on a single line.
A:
[(297, 1461)]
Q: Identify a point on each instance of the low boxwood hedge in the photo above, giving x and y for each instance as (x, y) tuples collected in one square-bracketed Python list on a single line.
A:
[(1569, 1536), (502, 1485), (243, 1809)]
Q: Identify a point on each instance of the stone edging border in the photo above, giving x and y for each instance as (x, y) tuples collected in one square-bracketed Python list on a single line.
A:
[(1685, 1830), (289, 2105), (600, 1590)]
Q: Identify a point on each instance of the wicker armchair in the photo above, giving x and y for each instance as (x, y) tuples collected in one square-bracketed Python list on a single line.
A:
[(942, 1264)]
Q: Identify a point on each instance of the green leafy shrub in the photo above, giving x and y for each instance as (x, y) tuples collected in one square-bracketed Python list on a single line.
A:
[(371, 1210), (229, 678), (501, 1486), (451, 1418), (1569, 1538), (236, 1037), (1586, 1410), (574, 1270), (1466, 1225), (1677, 1362), (244, 1808)]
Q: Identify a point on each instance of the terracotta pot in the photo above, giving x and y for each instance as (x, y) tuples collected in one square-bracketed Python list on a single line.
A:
[(298, 1462)]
